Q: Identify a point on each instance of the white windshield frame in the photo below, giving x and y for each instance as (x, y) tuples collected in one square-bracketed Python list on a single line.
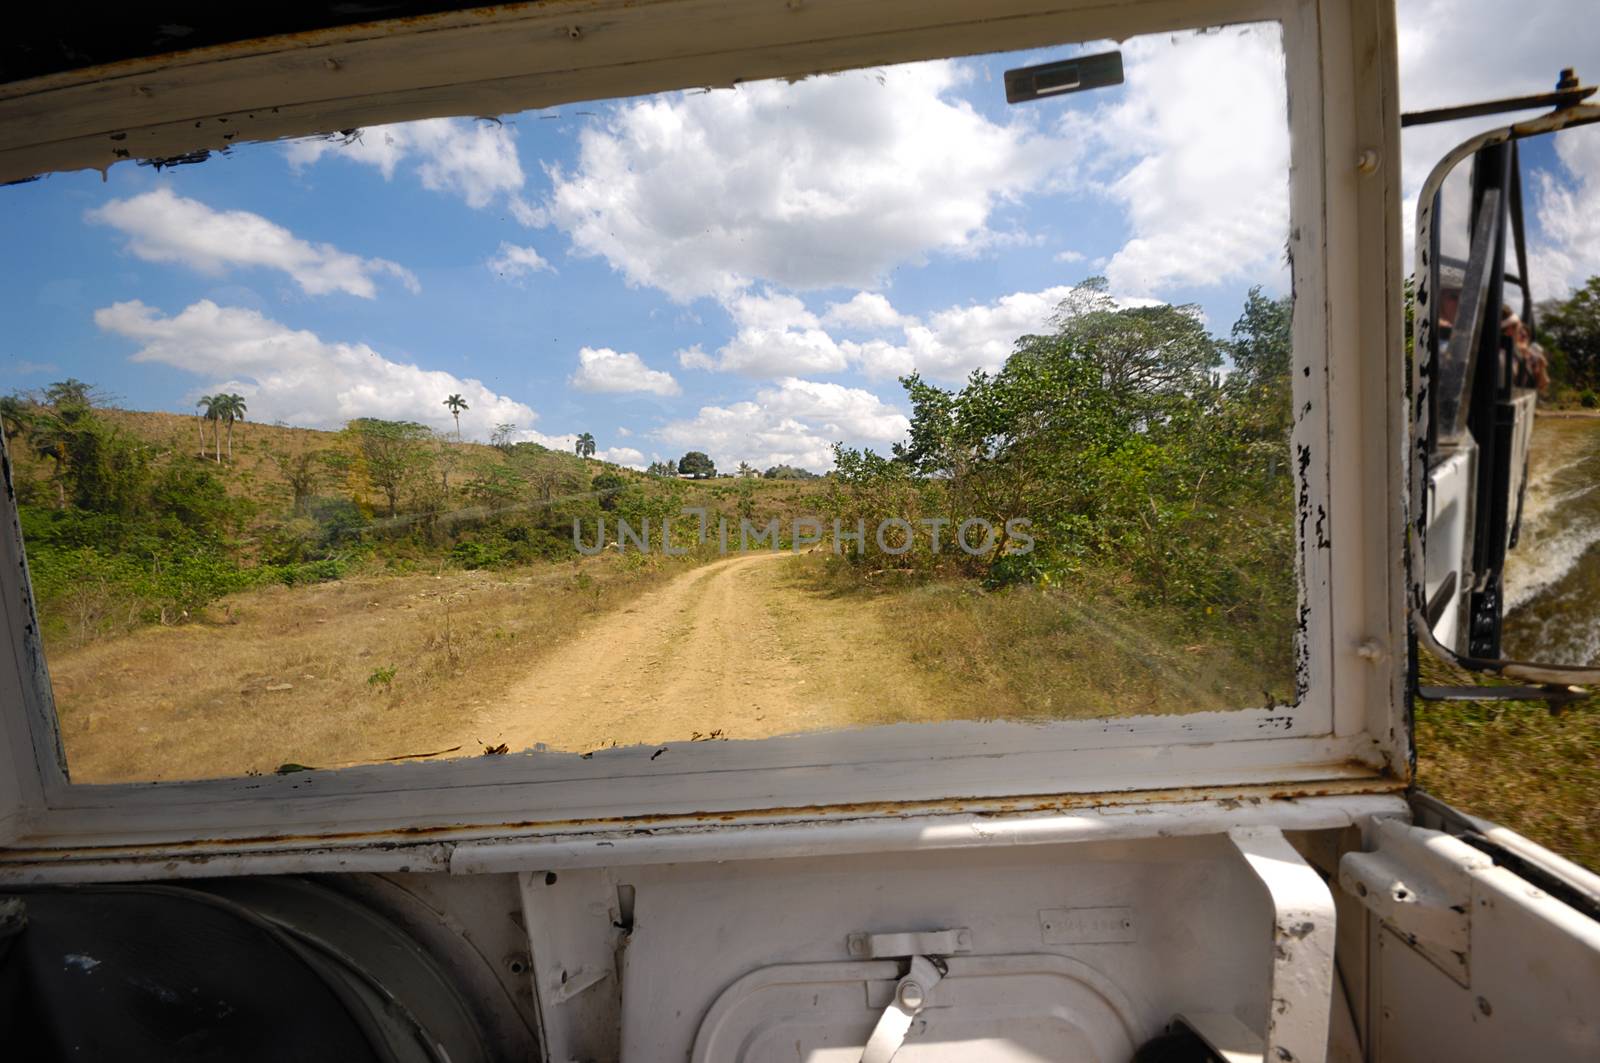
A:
[(1348, 730)]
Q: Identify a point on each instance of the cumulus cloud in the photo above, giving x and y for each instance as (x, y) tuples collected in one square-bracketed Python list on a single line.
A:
[(828, 182), (1197, 155), (1527, 52), (605, 370), (951, 343), (767, 352), (780, 338), (840, 412), (865, 312), (695, 358), (293, 375), (633, 459), (513, 262), (1566, 245), (473, 159), (795, 422), (162, 226)]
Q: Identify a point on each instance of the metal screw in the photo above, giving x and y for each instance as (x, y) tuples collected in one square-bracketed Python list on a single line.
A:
[(1367, 164), (911, 995)]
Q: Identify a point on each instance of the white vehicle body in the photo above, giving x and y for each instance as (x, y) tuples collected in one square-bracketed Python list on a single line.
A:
[(918, 892)]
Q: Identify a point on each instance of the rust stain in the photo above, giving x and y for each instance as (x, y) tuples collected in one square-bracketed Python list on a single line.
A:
[(203, 850)]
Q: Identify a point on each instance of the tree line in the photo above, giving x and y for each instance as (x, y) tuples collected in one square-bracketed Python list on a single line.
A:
[(1150, 458), (1569, 329)]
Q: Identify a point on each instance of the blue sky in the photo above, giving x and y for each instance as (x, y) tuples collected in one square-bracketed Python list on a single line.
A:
[(743, 271)]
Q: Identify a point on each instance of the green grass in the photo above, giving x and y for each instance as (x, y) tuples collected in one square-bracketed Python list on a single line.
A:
[(1516, 763)]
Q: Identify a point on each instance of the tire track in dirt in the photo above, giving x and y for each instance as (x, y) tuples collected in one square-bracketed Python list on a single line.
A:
[(733, 646)]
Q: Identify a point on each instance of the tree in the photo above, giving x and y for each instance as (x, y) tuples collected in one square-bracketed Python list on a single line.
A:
[(16, 413), (697, 464), (662, 468), (790, 472), (584, 447), (501, 438), (1145, 355), (456, 404), (1572, 327), (1262, 348), (302, 472), (746, 470), (231, 408), (202, 414), (393, 453), (69, 392), (216, 409), (606, 486)]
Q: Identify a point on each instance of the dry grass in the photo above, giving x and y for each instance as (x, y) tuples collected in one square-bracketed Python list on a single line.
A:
[(1031, 653), (281, 675), (1516, 763)]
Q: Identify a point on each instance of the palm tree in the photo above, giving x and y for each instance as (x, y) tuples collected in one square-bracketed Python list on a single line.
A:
[(585, 446), (213, 405), (746, 469), (456, 404), (205, 406), (233, 409)]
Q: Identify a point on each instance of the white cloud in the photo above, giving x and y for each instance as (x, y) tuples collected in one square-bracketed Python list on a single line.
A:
[(959, 339), (295, 376), (1068, 256), (695, 358), (770, 312), (380, 146), (473, 159), (1511, 57), (866, 311), (162, 226), (605, 370), (795, 422), (830, 181), (1197, 154), (746, 432), (768, 352), (1566, 251), (527, 214), (514, 262), (633, 459), (838, 411)]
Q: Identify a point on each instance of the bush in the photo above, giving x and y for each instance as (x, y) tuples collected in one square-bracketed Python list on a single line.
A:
[(472, 555), (324, 571), (1589, 400)]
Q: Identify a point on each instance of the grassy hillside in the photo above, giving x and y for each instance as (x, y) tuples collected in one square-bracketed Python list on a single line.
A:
[(129, 522)]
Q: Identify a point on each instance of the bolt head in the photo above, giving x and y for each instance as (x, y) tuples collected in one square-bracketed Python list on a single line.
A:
[(911, 995)]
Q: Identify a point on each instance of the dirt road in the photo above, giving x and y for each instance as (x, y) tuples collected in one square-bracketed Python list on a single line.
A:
[(738, 648)]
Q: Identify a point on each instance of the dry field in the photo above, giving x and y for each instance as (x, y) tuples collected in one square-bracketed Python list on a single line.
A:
[(607, 651), (358, 670)]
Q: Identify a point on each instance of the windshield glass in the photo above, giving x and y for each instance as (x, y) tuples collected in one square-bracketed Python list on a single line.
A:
[(718, 414)]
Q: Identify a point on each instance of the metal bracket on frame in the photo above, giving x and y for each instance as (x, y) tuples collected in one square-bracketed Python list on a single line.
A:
[(911, 993), (1419, 882)]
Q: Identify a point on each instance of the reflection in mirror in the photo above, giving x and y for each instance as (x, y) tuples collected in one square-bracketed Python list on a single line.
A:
[(858, 400), (1513, 517)]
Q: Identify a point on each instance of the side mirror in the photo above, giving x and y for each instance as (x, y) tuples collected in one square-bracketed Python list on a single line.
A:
[(1506, 479)]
